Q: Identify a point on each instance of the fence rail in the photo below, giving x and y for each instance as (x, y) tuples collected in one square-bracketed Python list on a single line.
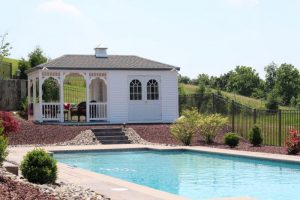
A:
[(74, 94), (98, 111), (51, 111), (275, 124)]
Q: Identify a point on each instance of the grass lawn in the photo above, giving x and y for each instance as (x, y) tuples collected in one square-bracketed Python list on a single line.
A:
[(248, 101), (14, 62), (267, 120), (74, 94)]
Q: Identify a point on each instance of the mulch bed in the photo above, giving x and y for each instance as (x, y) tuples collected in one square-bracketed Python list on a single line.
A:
[(161, 134), (31, 134), (14, 190)]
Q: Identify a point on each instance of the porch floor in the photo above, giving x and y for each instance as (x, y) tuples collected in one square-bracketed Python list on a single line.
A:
[(74, 123)]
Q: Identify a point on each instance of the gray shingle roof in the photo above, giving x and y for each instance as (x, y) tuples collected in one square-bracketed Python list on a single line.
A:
[(112, 62)]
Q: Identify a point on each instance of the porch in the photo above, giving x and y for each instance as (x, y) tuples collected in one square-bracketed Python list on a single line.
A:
[(67, 96)]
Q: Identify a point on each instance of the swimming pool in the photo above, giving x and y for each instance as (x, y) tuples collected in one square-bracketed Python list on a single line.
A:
[(194, 175)]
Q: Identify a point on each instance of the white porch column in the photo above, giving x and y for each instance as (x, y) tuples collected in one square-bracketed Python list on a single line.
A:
[(87, 82), (61, 97), (28, 96), (40, 114), (34, 97)]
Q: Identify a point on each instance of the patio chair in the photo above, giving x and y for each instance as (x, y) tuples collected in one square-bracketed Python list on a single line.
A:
[(80, 110)]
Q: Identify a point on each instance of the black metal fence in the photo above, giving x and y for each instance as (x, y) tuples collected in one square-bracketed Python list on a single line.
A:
[(274, 124), (74, 94)]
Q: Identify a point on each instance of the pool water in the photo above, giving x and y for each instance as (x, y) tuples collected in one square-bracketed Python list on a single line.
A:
[(194, 175)]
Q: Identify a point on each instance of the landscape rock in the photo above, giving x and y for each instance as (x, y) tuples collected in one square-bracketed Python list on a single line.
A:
[(13, 187)]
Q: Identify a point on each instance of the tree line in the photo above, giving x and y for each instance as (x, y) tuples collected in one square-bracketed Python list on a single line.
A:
[(281, 85)]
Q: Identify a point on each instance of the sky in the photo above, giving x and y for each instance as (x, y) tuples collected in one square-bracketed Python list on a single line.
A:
[(199, 36)]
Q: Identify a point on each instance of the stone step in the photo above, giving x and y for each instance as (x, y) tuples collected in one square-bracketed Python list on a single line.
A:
[(106, 130), (112, 137), (115, 142), (109, 133)]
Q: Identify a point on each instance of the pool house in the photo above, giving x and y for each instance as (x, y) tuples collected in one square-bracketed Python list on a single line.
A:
[(103, 88)]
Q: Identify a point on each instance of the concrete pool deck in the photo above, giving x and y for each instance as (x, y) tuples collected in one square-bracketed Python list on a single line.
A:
[(118, 189)]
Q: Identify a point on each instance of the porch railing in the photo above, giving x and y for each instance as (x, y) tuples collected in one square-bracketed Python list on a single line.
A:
[(98, 111), (51, 111)]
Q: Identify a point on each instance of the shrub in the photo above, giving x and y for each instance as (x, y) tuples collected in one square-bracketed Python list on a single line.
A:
[(293, 142), (273, 100), (231, 139), (23, 107), (293, 102), (39, 167), (3, 145), (9, 123), (210, 125), (185, 127), (255, 136)]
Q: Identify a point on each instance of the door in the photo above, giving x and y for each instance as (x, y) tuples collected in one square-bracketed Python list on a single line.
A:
[(144, 99)]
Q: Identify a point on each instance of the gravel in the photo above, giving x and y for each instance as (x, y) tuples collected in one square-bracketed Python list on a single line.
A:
[(14, 187), (160, 133), (135, 138), (41, 134), (35, 134), (86, 137)]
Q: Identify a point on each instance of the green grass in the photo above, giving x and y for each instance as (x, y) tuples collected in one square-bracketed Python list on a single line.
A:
[(267, 120), (74, 89), (248, 101), (189, 89), (14, 62), (74, 94), (75, 80)]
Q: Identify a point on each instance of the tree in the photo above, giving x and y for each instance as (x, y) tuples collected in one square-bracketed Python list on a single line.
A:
[(287, 82), (273, 100), (259, 92), (23, 66), (293, 102), (222, 81), (4, 47), (50, 90), (244, 80), (36, 57), (270, 76), (203, 79), (184, 79)]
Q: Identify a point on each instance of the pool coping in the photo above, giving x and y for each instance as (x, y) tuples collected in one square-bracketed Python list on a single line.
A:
[(119, 189)]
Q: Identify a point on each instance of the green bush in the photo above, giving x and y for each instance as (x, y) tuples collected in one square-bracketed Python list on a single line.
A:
[(23, 107), (210, 125), (255, 136), (231, 139), (273, 100), (3, 145), (39, 167), (186, 127)]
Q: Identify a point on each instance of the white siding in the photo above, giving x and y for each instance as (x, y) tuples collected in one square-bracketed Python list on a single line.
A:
[(117, 97), (118, 94), (169, 96)]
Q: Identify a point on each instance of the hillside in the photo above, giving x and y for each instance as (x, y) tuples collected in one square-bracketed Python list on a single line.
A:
[(248, 101), (14, 63)]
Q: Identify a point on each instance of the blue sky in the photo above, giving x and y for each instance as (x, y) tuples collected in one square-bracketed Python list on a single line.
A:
[(200, 36)]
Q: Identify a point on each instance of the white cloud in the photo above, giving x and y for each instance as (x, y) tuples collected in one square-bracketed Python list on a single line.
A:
[(243, 2), (59, 6)]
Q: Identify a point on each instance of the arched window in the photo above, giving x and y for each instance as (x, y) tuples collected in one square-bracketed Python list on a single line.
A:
[(152, 90), (135, 90)]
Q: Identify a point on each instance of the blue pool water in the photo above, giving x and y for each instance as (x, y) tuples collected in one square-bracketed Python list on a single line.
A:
[(192, 174)]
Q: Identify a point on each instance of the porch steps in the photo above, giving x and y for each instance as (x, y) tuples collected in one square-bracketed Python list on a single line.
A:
[(111, 136)]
